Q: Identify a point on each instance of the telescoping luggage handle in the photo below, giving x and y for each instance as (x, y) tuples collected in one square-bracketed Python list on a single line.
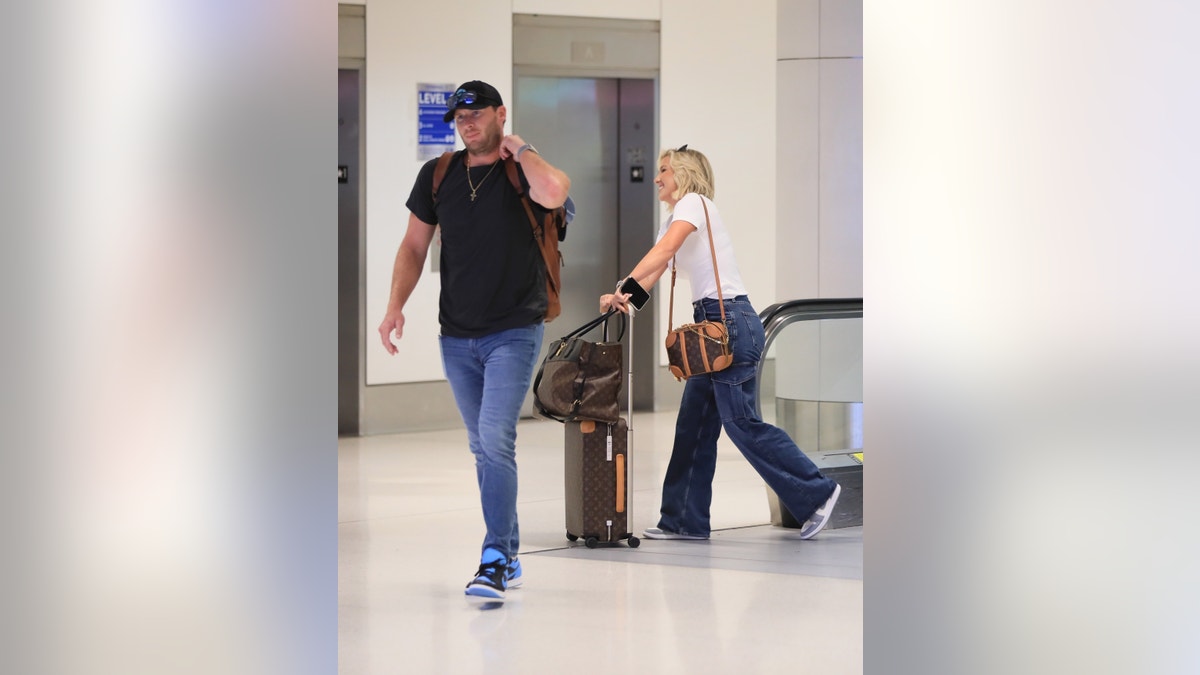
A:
[(603, 318), (624, 469), (628, 465)]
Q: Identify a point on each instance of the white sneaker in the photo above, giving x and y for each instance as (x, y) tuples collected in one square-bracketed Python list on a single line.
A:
[(817, 520), (658, 533)]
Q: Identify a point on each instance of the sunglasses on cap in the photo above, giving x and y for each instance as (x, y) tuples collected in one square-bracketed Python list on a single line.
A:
[(463, 97)]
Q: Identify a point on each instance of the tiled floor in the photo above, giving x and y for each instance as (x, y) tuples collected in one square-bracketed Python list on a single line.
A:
[(752, 599)]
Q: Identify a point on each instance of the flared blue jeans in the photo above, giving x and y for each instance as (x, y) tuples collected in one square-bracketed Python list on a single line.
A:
[(725, 400)]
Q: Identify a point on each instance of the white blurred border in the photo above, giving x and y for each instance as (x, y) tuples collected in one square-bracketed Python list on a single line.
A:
[(1031, 235), (188, 370)]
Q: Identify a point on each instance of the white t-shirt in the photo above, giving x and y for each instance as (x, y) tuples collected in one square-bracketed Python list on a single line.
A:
[(694, 259)]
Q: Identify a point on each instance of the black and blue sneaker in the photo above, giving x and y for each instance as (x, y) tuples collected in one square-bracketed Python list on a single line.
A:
[(512, 573), (490, 581)]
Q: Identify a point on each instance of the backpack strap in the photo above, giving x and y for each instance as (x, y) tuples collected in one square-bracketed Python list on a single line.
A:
[(439, 172), (548, 245), (510, 169)]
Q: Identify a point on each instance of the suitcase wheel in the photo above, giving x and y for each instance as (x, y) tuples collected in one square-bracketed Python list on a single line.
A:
[(591, 542), (634, 542), (571, 537)]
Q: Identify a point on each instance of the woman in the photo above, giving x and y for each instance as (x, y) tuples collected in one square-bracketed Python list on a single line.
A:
[(724, 399)]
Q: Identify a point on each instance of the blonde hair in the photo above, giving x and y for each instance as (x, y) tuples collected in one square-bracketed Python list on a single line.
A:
[(693, 173)]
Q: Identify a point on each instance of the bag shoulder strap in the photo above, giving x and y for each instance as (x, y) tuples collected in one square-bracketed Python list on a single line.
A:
[(712, 247), (539, 233), (510, 169), (439, 172)]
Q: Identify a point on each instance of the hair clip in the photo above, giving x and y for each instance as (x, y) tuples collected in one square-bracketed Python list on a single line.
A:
[(682, 148)]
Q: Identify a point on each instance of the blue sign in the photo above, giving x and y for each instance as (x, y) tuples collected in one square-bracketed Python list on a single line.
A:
[(433, 135)]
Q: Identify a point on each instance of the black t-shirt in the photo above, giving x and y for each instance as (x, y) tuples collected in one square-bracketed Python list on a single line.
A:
[(492, 272)]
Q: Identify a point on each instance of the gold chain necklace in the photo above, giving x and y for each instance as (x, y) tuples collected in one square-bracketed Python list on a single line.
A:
[(475, 187)]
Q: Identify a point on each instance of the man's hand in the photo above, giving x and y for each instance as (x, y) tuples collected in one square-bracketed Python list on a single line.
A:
[(392, 323), (509, 145)]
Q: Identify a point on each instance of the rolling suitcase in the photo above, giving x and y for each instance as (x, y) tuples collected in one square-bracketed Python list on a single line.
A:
[(597, 476)]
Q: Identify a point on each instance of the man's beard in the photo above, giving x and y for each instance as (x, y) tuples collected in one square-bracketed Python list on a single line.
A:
[(488, 142)]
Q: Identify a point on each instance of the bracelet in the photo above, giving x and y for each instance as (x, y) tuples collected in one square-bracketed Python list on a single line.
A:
[(523, 148)]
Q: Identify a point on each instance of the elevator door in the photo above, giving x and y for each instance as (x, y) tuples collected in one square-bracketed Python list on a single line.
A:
[(349, 308), (597, 130)]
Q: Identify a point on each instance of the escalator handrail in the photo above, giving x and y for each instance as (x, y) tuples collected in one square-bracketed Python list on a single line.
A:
[(780, 315), (810, 306)]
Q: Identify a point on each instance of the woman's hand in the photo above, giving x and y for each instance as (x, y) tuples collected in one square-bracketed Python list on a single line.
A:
[(619, 301)]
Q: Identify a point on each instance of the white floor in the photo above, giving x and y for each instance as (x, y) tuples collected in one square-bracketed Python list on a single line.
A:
[(752, 599)]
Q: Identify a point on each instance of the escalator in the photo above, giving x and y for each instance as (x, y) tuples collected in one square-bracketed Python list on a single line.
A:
[(817, 393)]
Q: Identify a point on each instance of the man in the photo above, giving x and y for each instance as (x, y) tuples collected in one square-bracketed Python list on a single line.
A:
[(492, 302)]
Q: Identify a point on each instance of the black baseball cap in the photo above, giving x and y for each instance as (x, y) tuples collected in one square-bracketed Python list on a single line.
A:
[(473, 95)]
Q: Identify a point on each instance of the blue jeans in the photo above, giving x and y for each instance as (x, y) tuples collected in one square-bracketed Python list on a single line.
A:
[(490, 376), (725, 399)]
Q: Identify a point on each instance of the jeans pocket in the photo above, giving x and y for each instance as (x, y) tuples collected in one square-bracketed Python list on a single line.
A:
[(754, 333), (734, 388)]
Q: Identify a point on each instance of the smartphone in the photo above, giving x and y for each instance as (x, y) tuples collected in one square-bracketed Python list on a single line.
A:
[(638, 296)]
